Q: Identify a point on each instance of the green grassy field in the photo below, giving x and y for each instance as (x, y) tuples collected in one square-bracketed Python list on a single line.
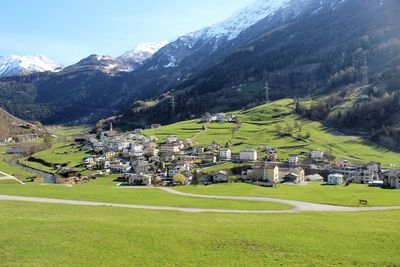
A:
[(61, 153), (258, 128), (63, 150), (219, 167), (10, 181), (12, 169), (58, 235), (103, 190), (314, 192)]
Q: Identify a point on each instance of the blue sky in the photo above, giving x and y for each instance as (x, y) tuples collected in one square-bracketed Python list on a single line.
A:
[(69, 30)]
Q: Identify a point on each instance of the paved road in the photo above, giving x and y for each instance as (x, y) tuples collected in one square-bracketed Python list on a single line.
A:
[(299, 206), (104, 204)]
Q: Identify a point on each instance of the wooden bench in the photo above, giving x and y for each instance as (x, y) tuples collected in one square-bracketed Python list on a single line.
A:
[(363, 202)]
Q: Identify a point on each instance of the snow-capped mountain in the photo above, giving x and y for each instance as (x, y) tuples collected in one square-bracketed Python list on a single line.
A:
[(223, 37), (106, 64), (134, 58), (129, 61), (241, 20), (24, 65), (211, 38)]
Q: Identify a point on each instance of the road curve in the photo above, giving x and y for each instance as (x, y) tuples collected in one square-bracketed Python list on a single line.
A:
[(129, 206), (299, 206)]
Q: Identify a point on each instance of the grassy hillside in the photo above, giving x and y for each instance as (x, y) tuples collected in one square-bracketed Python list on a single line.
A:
[(102, 236), (258, 127), (12, 169), (63, 150), (11, 126)]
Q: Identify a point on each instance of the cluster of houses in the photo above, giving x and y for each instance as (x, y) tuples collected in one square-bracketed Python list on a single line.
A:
[(142, 160), (19, 138), (218, 117), (335, 173)]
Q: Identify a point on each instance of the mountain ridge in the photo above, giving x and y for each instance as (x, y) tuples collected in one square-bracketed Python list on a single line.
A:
[(14, 65)]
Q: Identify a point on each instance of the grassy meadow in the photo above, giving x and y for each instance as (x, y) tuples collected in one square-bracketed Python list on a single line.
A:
[(104, 190), (12, 169), (314, 192), (62, 151), (61, 235)]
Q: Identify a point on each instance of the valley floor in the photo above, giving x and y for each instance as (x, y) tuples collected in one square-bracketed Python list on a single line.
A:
[(103, 190), (97, 234), (34, 234), (314, 192)]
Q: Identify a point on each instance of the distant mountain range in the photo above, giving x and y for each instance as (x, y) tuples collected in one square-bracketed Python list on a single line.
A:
[(25, 65), (269, 50)]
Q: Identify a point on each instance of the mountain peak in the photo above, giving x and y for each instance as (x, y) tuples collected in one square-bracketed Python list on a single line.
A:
[(140, 53), (242, 19), (14, 65)]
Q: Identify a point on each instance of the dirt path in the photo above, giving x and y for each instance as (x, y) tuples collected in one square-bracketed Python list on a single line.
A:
[(5, 176), (202, 131)]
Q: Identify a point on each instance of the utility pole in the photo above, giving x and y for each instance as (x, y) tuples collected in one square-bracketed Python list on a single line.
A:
[(365, 69), (265, 86), (172, 102)]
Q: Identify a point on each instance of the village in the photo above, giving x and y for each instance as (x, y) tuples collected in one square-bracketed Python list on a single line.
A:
[(141, 160)]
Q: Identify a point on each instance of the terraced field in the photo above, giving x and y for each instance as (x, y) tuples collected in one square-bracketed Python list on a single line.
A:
[(258, 128)]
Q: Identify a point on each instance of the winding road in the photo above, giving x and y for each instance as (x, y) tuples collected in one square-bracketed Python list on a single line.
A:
[(299, 206)]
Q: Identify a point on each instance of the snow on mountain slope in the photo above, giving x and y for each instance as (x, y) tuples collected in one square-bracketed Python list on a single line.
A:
[(260, 9), (24, 65), (211, 38), (241, 20), (134, 58), (143, 51), (106, 64)]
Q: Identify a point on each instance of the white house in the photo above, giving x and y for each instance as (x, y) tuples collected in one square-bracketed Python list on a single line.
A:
[(156, 126), (335, 179), (314, 178), (295, 175), (225, 154), (198, 151), (264, 172), (170, 148), (110, 154), (88, 160), (151, 151), (293, 159), (171, 139), (392, 179), (210, 158), (136, 150), (248, 154), (220, 177), (317, 155), (140, 166), (139, 179)]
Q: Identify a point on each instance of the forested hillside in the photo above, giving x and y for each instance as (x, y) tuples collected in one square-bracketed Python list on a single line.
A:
[(355, 44)]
